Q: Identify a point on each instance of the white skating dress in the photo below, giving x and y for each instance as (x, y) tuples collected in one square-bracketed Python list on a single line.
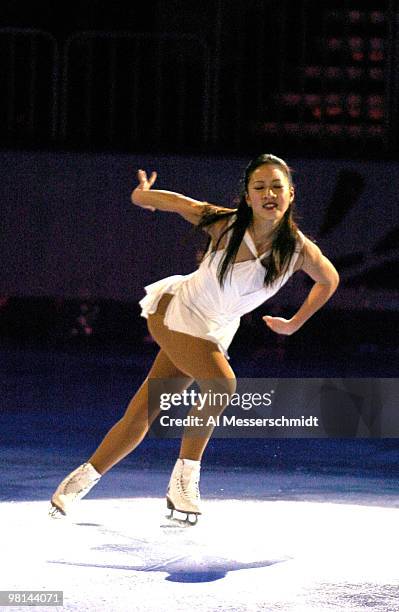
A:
[(201, 307)]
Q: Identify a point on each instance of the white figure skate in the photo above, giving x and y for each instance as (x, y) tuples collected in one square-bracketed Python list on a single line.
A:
[(183, 491), (74, 486)]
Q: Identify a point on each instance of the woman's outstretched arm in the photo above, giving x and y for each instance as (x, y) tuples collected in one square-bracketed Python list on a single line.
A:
[(326, 278), (190, 209)]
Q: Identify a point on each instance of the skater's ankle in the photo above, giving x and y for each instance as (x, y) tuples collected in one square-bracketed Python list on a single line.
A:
[(97, 468), (190, 458)]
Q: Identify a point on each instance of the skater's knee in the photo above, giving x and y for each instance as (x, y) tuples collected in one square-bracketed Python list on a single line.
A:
[(230, 384), (224, 387)]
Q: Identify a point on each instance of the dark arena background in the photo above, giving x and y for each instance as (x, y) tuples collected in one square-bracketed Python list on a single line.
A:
[(91, 91)]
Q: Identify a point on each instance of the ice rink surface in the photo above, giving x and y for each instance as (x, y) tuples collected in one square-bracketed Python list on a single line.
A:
[(121, 553), (302, 526)]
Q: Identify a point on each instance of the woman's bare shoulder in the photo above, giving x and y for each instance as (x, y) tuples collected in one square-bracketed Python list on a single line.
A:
[(218, 226), (301, 247)]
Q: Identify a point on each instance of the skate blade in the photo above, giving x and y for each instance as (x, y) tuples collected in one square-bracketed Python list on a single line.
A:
[(55, 512), (183, 518), (174, 522)]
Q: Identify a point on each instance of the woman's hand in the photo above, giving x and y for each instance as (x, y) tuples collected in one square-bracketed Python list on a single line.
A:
[(145, 184), (280, 325), (326, 278)]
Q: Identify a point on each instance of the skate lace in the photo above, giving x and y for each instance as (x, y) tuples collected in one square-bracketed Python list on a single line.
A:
[(75, 488), (191, 489)]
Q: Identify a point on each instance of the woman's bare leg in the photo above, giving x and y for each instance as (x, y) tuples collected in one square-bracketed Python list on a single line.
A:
[(181, 359), (130, 430), (201, 360)]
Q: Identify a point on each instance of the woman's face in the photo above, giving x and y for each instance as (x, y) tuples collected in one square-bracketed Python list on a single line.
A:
[(269, 193)]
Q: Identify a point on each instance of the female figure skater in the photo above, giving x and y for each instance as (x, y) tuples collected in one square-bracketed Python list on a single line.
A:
[(252, 251)]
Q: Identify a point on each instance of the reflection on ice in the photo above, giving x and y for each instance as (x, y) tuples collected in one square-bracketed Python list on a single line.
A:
[(194, 568)]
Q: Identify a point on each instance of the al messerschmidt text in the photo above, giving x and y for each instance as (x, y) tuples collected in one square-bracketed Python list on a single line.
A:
[(226, 421)]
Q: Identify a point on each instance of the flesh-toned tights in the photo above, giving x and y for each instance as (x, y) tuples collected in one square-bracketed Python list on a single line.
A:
[(182, 358)]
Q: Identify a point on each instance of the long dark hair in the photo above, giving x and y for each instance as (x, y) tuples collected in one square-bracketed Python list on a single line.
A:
[(284, 237)]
